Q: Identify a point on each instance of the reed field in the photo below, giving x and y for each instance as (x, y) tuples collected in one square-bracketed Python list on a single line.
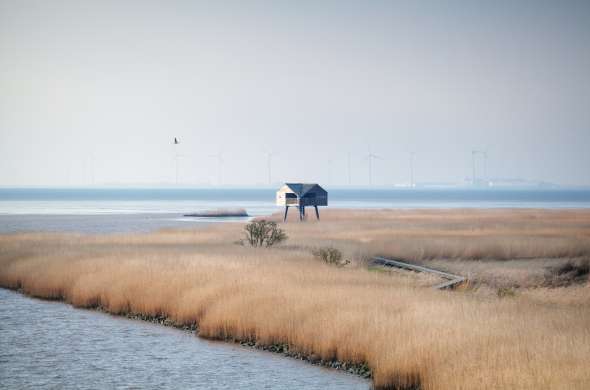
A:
[(410, 335)]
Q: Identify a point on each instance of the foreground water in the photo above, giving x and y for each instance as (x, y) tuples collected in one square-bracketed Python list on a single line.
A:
[(52, 345), (103, 210)]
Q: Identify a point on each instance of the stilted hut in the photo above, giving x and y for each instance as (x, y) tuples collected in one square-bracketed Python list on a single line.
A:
[(300, 195)]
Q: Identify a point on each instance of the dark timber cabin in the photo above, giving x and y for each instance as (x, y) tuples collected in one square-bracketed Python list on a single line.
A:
[(301, 195)]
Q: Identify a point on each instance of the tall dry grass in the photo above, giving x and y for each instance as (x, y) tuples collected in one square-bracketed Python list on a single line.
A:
[(406, 333), (452, 234), (472, 242)]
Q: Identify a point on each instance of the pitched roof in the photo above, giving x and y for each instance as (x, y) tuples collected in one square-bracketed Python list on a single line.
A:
[(302, 188)]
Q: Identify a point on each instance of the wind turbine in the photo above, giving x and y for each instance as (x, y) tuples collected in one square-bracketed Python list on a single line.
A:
[(485, 166), (484, 155), (370, 157), (176, 142)]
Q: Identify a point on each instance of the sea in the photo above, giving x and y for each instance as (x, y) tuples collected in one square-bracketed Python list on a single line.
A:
[(114, 210)]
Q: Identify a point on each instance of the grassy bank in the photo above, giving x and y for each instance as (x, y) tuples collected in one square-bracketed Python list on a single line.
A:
[(406, 332)]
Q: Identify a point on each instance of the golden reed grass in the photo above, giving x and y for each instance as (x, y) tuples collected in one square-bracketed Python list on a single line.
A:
[(406, 333)]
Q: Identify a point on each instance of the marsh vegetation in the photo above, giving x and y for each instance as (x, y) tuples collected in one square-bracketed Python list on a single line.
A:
[(407, 333)]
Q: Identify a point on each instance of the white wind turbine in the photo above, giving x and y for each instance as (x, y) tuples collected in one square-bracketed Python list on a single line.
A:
[(269, 157), (485, 166), (370, 156), (473, 155), (176, 142), (484, 156)]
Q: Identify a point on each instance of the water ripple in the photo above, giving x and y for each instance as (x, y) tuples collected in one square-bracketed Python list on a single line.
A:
[(51, 345)]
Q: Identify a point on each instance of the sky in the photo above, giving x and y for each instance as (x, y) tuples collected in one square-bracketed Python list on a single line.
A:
[(94, 92)]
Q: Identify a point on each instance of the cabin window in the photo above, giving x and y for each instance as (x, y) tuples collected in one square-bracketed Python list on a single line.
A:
[(290, 196)]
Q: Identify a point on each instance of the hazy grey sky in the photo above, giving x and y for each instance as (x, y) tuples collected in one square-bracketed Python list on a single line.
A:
[(110, 83)]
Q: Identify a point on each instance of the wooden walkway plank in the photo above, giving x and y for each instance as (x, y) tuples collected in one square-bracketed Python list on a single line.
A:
[(452, 281)]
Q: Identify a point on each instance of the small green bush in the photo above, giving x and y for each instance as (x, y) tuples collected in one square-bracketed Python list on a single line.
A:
[(331, 256), (264, 233), (506, 292)]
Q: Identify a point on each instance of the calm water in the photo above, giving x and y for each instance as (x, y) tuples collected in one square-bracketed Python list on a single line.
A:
[(124, 210), (50, 345)]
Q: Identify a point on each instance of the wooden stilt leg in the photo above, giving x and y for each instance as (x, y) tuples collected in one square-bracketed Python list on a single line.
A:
[(301, 213), (286, 211), (317, 213)]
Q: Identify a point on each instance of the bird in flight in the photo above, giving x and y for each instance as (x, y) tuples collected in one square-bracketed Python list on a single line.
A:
[(176, 141)]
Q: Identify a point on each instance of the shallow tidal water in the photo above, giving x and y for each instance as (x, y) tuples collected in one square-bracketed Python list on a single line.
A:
[(112, 210), (51, 345)]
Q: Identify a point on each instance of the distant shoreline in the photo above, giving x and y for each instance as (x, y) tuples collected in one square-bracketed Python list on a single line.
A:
[(146, 222)]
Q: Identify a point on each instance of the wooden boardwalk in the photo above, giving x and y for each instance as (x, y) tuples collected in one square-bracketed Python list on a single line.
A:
[(451, 279)]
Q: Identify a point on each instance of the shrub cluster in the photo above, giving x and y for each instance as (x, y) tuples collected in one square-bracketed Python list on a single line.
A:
[(506, 292), (331, 255), (567, 274), (264, 233)]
